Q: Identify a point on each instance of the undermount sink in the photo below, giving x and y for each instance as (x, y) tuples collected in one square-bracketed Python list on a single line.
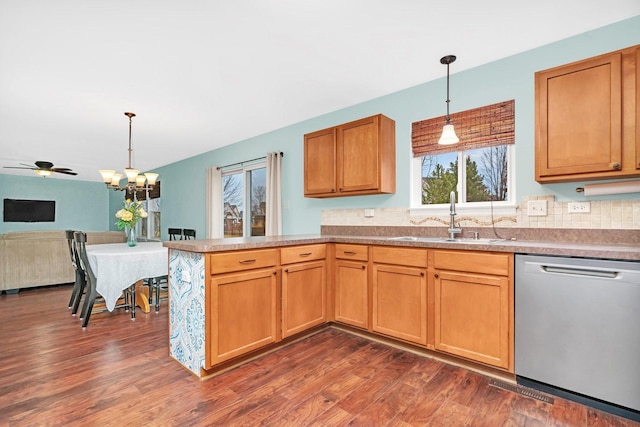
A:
[(416, 239), (479, 241)]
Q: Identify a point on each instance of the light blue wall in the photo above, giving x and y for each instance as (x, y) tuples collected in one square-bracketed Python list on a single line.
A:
[(183, 183), (80, 205), (89, 206)]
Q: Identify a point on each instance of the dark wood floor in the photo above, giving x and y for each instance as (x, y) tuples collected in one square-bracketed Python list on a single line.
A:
[(118, 372)]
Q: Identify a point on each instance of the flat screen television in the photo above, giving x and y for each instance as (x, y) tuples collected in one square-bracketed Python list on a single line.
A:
[(29, 210)]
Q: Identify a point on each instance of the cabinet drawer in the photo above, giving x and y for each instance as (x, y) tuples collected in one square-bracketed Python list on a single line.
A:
[(353, 252), (242, 260), (302, 253), (476, 262), (399, 256)]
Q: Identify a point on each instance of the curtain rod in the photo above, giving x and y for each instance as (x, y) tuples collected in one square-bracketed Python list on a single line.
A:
[(247, 161)]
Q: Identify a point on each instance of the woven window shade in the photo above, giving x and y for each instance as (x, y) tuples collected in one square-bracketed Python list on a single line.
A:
[(486, 126)]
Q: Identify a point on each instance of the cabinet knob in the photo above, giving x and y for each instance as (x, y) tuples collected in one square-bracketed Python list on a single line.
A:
[(422, 274), (286, 271), (363, 267), (436, 275), (333, 190), (340, 189), (616, 166)]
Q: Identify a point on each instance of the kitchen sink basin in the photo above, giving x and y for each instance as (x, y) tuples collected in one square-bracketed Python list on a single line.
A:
[(416, 239), (480, 241)]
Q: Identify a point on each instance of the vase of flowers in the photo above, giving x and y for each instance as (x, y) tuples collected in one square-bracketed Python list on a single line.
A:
[(128, 217)]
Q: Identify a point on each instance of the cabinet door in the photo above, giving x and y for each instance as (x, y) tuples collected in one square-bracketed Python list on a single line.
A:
[(320, 162), (579, 119), (400, 302), (241, 316), (351, 293), (303, 296), (359, 155), (472, 317)]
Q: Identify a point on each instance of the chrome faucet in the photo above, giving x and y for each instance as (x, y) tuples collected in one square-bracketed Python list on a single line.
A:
[(452, 216)]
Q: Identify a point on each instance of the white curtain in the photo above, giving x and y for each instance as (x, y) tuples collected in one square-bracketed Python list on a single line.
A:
[(214, 203), (273, 227)]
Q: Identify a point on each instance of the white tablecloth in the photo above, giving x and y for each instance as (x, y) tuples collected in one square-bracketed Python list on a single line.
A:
[(117, 266)]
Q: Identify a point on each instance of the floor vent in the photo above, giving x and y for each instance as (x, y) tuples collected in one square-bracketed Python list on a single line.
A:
[(522, 390)]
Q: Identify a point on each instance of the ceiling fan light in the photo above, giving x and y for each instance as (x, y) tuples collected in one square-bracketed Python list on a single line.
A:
[(448, 136), (43, 172), (107, 175), (151, 178)]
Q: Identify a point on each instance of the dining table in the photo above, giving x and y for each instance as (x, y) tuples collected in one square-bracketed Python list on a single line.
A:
[(118, 266)]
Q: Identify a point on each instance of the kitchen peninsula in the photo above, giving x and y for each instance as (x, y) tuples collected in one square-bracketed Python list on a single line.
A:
[(232, 299)]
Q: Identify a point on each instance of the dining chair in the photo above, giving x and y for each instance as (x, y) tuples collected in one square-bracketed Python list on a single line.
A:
[(80, 239), (156, 286), (174, 233), (74, 291), (80, 281), (189, 234)]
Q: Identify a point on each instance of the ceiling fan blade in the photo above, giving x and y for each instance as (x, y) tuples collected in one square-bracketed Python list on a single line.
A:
[(60, 169), (20, 167), (66, 172)]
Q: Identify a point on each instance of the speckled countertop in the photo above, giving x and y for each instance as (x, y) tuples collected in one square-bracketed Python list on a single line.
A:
[(629, 250)]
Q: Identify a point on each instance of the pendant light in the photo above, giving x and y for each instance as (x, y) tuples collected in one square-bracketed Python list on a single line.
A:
[(448, 136)]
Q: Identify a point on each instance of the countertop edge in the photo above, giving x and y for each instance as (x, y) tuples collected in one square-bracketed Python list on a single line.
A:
[(607, 251)]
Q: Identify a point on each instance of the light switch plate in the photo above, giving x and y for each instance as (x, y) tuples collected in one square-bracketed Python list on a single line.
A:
[(537, 208), (369, 213)]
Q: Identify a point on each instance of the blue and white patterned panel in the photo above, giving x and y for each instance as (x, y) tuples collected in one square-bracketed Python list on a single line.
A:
[(186, 309)]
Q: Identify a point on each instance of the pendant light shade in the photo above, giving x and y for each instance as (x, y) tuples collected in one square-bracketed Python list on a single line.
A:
[(448, 136)]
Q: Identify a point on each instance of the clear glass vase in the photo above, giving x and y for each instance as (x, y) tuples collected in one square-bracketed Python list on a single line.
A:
[(132, 239)]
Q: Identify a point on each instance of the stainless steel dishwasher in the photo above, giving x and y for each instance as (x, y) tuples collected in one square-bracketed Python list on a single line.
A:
[(577, 330)]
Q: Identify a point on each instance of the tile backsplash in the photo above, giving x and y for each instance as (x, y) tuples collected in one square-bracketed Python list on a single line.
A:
[(604, 214)]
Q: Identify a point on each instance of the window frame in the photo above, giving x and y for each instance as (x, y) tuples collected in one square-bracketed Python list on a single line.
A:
[(246, 194), (505, 207)]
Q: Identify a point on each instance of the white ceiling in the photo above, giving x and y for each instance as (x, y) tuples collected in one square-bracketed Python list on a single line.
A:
[(201, 74)]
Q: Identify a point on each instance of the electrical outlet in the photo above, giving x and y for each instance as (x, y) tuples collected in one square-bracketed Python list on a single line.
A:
[(369, 213), (579, 207), (537, 208)]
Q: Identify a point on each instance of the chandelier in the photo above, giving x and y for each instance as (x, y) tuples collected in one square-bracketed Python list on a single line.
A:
[(135, 181)]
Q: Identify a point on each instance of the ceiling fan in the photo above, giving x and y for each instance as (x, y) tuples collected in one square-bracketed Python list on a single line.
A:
[(44, 168)]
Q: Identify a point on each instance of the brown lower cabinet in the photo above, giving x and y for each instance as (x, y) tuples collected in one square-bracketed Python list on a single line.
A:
[(352, 285), (303, 296), (400, 293), (473, 306), (457, 302), (241, 313)]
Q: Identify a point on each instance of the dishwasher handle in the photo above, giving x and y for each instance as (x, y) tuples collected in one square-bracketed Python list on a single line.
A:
[(580, 272)]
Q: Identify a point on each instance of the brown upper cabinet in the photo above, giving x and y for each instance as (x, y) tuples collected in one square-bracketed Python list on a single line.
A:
[(588, 119), (351, 159)]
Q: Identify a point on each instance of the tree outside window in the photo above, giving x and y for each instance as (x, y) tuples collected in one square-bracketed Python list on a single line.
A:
[(485, 172), (246, 187)]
